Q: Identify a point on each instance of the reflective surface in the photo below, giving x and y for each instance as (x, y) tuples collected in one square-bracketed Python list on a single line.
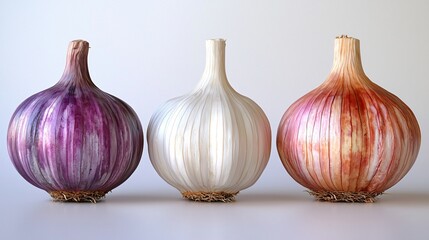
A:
[(255, 215)]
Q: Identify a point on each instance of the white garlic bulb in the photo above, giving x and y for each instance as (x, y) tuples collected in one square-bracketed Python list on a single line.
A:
[(212, 143)]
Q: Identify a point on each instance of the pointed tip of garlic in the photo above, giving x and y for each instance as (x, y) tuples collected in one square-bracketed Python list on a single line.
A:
[(79, 43), (345, 36), (217, 39)]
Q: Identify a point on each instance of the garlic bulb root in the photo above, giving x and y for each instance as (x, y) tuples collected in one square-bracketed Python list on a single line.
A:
[(209, 196), (338, 196), (77, 196)]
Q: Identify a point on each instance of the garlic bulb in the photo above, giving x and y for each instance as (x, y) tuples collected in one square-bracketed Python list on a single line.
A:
[(348, 139), (74, 140), (212, 143)]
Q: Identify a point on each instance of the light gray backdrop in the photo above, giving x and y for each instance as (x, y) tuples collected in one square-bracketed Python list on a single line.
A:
[(146, 52)]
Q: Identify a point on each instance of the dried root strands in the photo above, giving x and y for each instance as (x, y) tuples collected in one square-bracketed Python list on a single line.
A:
[(209, 196), (77, 196), (333, 196)]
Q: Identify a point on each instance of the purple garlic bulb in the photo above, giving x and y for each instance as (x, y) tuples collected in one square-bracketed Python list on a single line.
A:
[(73, 140)]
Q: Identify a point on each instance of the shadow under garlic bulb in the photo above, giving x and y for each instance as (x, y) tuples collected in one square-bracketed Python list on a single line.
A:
[(74, 140), (212, 143), (348, 139)]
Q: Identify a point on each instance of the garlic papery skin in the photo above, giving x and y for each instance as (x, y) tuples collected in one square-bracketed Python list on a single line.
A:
[(212, 143), (348, 139), (74, 140)]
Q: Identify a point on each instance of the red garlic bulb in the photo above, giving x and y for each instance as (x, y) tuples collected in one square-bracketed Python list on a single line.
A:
[(73, 140), (348, 139)]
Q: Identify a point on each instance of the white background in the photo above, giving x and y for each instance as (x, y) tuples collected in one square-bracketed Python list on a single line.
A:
[(146, 52)]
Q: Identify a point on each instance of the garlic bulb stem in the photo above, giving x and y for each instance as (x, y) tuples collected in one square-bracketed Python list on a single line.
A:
[(76, 69), (214, 71), (347, 55)]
